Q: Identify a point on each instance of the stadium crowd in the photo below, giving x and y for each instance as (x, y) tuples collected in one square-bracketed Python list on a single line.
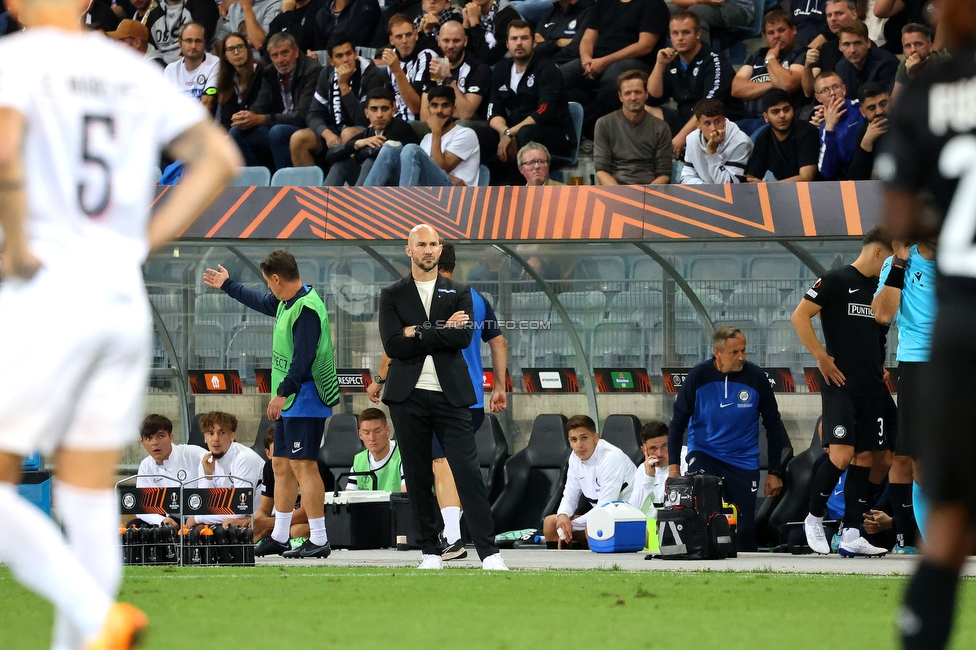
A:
[(426, 92)]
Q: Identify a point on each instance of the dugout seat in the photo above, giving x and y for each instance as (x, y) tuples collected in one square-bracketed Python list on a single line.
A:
[(766, 535), (195, 436), (492, 453), (623, 431), (534, 477), (340, 444), (795, 502), (258, 445)]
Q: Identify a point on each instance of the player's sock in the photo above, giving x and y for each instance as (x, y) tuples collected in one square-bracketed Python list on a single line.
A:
[(921, 508), (855, 495), (89, 518), (36, 553), (452, 523), (904, 512), (824, 483), (282, 527), (316, 531), (925, 619)]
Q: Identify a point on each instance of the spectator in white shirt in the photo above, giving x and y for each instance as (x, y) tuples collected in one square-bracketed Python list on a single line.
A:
[(195, 73), (718, 150), (167, 465), (598, 471), (448, 155), (227, 458)]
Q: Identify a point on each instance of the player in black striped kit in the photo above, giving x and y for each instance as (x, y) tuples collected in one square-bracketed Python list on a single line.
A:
[(930, 153)]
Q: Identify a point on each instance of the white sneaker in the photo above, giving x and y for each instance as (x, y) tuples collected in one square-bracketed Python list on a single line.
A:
[(853, 545), (431, 562), (816, 537), (494, 563)]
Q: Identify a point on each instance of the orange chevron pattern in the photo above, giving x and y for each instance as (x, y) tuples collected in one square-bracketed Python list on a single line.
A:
[(652, 212)]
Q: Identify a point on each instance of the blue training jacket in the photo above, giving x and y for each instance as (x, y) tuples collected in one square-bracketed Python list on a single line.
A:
[(721, 413)]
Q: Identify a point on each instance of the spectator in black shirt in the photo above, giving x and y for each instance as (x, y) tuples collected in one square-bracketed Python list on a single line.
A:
[(486, 22), (809, 18), (623, 35), (717, 15), (778, 66), (238, 80), (873, 103), (409, 66), (527, 101), (560, 30), (898, 14), (355, 18), (351, 161), (824, 54), (689, 72), (788, 149), (470, 78), (863, 60), (297, 18), (287, 90), (336, 112)]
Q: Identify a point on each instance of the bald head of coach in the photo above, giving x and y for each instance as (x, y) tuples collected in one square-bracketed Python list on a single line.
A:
[(425, 322)]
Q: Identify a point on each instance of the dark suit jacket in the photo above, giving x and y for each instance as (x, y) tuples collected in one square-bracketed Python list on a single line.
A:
[(269, 100), (400, 307)]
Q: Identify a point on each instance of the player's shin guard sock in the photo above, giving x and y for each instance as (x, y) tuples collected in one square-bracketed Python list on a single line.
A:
[(856, 495), (823, 484), (90, 519), (452, 523), (282, 527), (904, 515), (925, 620), (36, 552), (921, 507), (316, 531)]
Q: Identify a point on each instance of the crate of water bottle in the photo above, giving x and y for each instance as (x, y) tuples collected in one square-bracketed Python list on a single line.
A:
[(149, 545), (218, 546)]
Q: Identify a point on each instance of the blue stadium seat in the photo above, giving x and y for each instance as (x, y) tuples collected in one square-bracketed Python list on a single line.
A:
[(484, 176), (576, 114), (252, 176), (297, 177)]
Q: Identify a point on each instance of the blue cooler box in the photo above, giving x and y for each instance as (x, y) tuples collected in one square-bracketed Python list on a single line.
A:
[(36, 488), (617, 527)]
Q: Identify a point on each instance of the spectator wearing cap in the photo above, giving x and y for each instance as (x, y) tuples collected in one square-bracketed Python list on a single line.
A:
[(533, 163), (195, 73), (780, 65), (864, 61), (631, 146), (717, 151), (256, 16), (134, 34), (788, 149)]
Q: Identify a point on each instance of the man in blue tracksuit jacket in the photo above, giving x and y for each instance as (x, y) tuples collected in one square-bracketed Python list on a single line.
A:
[(720, 403), (838, 131)]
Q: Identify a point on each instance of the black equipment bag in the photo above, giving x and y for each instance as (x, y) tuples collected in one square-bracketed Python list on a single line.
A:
[(692, 525)]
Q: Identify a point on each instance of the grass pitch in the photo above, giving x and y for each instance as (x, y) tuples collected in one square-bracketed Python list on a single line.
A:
[(397, 609)]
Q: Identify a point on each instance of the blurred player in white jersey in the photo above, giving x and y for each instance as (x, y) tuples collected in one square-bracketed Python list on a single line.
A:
[(81, 128)]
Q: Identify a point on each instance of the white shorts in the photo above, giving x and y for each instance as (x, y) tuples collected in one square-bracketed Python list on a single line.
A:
[(74, 362)]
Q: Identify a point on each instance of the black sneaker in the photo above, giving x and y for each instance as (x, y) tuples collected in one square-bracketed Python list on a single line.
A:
[(455, 551), (268, 546), (308, 549)]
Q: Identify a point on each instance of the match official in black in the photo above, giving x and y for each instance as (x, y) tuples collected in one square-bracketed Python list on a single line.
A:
[(425, 322)]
